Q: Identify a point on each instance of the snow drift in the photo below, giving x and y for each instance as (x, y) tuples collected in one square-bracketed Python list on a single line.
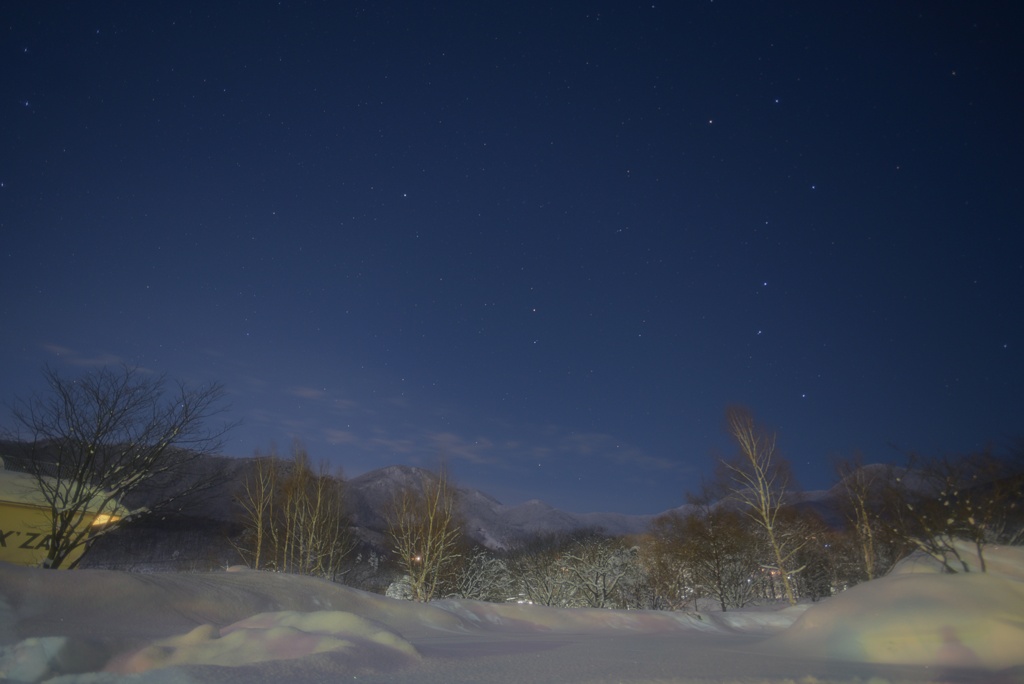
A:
[(103, 626), (916, 615)]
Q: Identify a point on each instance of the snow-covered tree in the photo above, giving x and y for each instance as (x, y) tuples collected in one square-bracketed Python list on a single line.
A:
[(599, 572), (484, 577), (539, 573), (584, 569)]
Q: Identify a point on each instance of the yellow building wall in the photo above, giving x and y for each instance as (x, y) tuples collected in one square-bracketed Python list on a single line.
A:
[(25, 520), (25, 534)]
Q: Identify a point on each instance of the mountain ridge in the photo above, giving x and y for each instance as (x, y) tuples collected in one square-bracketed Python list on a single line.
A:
[(488, 521)]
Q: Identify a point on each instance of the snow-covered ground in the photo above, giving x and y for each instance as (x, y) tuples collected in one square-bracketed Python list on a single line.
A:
[(240, 626)]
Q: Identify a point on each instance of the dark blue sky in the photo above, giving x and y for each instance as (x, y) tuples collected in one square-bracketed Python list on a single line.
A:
[(548, 244)]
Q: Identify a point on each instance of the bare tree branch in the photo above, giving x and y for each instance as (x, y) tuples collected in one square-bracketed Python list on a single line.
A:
[(111, 445)]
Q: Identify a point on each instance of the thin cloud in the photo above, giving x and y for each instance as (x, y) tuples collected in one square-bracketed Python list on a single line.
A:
[(600, 445), (307, 392), (344, 405), (335, 437), (74, 358), (395, 446), (451, 445), (58, 350), (318, 394)]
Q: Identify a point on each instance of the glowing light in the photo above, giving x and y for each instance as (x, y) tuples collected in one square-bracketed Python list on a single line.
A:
[(105, 519)]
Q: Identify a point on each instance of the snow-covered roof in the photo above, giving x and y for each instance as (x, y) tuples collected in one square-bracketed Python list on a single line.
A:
[(23, 489), (20, 488)]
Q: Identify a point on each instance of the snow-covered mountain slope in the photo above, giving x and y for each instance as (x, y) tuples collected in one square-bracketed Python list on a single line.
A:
[(487, 520)]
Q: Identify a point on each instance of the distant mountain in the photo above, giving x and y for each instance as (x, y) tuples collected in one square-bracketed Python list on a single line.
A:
[(488, 521)]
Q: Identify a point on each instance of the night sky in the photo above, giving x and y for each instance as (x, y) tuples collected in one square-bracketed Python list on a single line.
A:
[(546, 243)]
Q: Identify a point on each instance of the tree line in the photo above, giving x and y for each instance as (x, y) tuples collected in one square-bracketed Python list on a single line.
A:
[(101, 444)]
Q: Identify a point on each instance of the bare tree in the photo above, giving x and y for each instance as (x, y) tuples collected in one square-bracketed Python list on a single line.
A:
[(817, 578), (257, 500), (313, 531), (670, 578), (952, 507), (760, 481), (858, 485), (294, 516), (426, 534), (862, 502), (112, 445), (722, 552)]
